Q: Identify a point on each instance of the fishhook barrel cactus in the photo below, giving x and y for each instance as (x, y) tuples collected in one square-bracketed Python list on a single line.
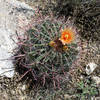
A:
[(50, 49)]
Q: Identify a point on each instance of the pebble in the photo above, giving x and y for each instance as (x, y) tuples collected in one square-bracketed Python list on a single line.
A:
[(90, 68), (96, 79)]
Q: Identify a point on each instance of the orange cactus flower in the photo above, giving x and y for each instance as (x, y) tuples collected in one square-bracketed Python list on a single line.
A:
[(67, 36)]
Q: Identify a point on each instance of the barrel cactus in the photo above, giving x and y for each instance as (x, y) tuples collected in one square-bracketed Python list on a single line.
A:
[(50, 48)]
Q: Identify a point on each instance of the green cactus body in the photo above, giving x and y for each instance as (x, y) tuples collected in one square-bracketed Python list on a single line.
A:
[(45, 61)]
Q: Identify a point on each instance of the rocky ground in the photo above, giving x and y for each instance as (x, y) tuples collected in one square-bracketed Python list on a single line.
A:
[(85, 79)]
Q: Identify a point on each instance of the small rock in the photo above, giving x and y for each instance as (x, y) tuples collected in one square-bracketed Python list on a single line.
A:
[(90, 67), (23, 87), (96, 79), (66, 96), (22, 97)]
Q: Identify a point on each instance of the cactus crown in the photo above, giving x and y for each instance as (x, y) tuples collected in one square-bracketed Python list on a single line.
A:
[(49, 50)]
